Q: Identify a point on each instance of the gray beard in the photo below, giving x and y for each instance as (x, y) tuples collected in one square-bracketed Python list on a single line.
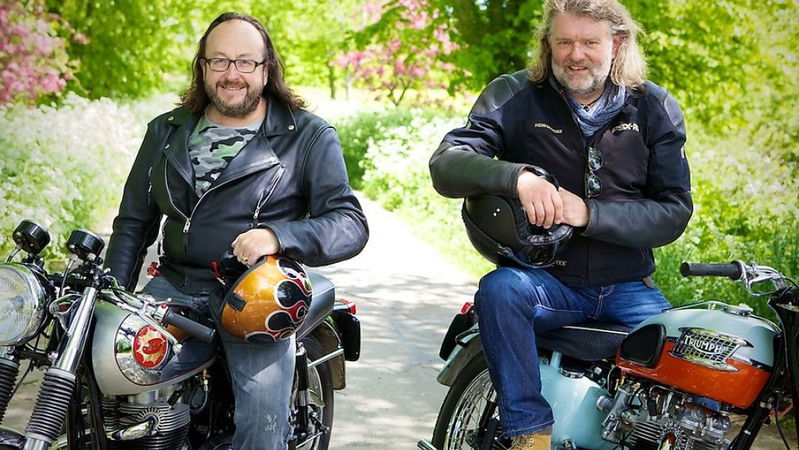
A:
[(597, 82)]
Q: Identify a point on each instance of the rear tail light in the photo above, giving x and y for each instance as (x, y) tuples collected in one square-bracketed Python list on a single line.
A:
[(349, 305)]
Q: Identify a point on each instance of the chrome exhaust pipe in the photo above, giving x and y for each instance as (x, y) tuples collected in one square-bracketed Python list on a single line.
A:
[(425, 445)]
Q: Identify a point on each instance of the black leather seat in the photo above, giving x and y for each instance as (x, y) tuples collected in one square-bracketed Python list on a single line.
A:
[(586, 341)]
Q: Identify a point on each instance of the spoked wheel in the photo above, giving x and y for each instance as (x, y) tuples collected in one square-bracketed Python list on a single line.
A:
[(469, 417), (320, 386)]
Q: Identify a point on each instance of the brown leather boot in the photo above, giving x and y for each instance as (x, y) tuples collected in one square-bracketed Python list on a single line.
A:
[(534, 441)]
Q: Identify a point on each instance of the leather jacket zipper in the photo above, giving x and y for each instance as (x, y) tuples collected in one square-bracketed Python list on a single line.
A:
[(169, 195), (196, 205), (269, 192), (187, 224)]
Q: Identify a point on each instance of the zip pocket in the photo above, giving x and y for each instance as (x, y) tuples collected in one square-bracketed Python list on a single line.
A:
[(265, 197)]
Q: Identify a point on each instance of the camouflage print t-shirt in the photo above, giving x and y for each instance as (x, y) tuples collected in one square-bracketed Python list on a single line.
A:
[(212, 147)]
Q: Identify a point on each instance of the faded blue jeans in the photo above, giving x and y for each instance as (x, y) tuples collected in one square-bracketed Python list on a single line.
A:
[(262, 376), (513, 304)]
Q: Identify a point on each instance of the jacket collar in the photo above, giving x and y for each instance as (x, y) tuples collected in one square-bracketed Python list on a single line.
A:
[(279, 120)]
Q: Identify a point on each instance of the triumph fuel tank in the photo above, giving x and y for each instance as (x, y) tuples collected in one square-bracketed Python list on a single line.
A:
[(710, 349), (129, 356)]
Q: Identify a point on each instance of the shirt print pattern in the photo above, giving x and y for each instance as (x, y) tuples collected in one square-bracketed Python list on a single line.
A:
[(212, 147)]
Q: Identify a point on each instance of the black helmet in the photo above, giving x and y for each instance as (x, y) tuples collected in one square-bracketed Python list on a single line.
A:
[(499, 230)]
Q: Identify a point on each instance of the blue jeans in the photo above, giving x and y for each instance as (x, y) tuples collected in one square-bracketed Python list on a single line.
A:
[(513, 304), (262, 376)]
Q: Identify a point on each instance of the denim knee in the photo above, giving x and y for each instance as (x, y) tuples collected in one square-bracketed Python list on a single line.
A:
[(503, 288)]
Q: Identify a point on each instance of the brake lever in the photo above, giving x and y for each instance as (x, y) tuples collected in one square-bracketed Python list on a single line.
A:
[(760, 274)]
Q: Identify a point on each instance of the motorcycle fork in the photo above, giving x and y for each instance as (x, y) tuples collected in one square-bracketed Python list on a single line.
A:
[(60, 380), (763, 405)]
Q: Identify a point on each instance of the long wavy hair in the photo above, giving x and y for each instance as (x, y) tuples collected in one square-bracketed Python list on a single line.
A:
[(196, 100), (628, 67)]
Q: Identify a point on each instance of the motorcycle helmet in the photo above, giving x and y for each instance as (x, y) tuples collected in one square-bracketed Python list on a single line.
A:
[(268, 302), (499, 230)]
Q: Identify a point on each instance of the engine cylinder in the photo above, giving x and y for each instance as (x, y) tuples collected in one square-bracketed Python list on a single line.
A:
[(171, 430)]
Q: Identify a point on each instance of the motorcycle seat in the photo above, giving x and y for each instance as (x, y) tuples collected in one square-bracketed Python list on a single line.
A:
[(323, 296), (591, 341)]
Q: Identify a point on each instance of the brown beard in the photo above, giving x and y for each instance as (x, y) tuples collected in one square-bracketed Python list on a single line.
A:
[(241, 109)]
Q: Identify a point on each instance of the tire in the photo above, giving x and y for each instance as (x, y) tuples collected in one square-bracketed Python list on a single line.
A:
[(320, 385), (458, 424)]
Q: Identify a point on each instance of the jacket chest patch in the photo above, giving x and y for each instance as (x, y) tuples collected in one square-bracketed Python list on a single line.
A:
[(543, 125), (625, 127)]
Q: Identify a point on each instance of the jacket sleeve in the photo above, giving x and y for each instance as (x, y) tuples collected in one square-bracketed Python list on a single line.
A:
[(661, 217), (335, 227), (464, 164), (136, 225)]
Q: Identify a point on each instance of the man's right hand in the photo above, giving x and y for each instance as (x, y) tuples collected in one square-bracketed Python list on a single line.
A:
[(540, 199)]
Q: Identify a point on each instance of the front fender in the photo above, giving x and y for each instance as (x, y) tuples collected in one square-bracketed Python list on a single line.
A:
[(468, 346)]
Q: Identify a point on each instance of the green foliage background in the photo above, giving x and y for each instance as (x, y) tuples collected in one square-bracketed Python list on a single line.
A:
[(731, 64), (136, 49)]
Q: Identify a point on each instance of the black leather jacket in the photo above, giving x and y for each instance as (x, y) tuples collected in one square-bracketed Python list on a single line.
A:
[(645, 200), (290, 177)]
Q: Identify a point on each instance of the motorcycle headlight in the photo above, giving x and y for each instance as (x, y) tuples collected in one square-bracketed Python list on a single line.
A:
[(22, 304)]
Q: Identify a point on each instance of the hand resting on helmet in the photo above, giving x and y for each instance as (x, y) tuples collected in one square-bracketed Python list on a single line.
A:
[(252, 244), (540, 199)]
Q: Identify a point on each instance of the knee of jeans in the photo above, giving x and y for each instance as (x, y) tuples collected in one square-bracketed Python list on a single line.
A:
[(502, 288)]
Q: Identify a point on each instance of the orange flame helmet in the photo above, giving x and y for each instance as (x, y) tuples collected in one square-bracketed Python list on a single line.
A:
[(268, 302)]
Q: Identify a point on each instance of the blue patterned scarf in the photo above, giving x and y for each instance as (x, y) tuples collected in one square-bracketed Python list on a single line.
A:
[(601, 112)]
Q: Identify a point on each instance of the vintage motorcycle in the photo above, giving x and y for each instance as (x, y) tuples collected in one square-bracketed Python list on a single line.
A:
[(126, 371), (673, 382)]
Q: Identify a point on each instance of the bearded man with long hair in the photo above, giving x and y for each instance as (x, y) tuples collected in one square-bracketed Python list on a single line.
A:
[(239, 166), (584, 114)]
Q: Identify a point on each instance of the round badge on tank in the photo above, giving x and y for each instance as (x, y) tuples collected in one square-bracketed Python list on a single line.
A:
[(150, 347)]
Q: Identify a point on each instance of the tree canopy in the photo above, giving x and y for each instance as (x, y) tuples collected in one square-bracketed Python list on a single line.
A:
[(730, 63)]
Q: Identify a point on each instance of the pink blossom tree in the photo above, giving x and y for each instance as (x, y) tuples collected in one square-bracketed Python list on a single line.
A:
[(33, 59), (402, 50)]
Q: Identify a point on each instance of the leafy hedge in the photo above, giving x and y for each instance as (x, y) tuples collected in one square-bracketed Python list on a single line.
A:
[(746, 205), (64, 167)]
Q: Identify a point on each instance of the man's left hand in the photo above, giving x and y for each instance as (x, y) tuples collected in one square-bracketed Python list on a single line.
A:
[(255, 243), (575, 211)]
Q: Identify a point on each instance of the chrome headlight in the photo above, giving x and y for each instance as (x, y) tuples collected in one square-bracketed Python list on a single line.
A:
[(22, 304)]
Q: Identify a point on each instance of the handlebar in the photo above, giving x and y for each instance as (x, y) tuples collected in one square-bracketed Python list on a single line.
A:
[(195, 329), (749, 274), (733, 270)]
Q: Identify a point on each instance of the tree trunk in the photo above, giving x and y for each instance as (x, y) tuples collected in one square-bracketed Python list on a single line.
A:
[(331, 80)]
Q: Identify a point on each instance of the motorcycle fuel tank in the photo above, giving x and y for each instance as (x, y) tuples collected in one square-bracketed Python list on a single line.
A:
[(129, 356), (710, 349)]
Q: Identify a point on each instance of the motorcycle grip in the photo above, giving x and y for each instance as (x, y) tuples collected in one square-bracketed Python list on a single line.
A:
[(195, 329), (732, 270)]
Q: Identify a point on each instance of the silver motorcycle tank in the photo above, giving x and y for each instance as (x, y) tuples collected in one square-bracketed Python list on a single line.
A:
[(710, 349), (130, 356), (573, 399)]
